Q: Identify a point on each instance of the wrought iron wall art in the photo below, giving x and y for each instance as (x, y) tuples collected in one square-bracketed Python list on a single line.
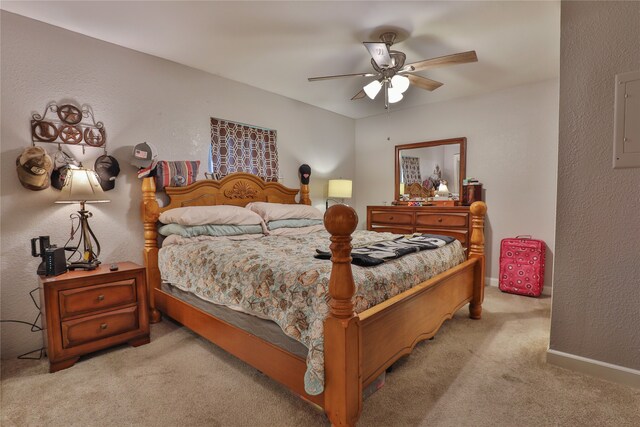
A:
[(69, 125)]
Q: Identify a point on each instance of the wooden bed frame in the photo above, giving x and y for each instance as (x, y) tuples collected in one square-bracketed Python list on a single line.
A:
[(357, 347)]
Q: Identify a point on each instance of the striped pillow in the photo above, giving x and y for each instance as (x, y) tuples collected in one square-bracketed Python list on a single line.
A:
[(176, 173)]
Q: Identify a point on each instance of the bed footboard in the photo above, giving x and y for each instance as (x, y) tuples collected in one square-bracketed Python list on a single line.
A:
[(357, 348)]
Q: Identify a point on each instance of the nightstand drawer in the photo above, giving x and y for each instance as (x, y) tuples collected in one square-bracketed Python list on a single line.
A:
[(392, 218), (93, 328), (98, 297), (442, 219)]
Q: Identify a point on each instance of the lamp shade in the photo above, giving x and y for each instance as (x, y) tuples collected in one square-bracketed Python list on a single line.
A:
[(400, 83), (443, 190), (81, 185), (394, 95), (340, 188), (372, 89)]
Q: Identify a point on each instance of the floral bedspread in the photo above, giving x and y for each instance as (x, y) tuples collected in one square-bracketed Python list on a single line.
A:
[(277, 277)]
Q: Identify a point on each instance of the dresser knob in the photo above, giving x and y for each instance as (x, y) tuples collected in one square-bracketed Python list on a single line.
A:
[(100, 297), (390, 218), (103, 326), (439, 219)]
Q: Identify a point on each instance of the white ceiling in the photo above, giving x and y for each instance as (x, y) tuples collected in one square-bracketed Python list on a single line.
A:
[(276, 45)]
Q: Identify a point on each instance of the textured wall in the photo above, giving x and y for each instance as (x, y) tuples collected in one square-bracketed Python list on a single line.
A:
[(512, 142), (139, 98), (596, 297)]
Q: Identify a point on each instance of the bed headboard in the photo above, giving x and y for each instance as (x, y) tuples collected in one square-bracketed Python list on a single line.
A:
[(237, 189)]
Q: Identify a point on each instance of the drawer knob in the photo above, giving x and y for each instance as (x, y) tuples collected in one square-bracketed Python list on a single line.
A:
[(391, 217), (100, 297), (439, 219), (103, 326)]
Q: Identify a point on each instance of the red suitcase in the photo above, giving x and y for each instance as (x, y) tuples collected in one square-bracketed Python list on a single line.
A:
[(522, 266)]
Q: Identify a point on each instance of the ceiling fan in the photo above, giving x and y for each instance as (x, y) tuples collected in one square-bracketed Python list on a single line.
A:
[(393, 75)]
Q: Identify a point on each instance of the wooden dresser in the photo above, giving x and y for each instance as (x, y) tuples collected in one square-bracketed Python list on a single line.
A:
[(85, 311), (454, 221)]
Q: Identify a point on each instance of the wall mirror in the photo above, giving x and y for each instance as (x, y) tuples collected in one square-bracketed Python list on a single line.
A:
[(420, 167)]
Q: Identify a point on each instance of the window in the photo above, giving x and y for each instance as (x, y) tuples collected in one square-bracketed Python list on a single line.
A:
[(237, 147)]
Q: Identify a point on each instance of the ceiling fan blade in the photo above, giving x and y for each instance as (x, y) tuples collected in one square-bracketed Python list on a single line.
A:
[(315, 79), (359, 95), (380, 53), (423, 82), (456, 58)]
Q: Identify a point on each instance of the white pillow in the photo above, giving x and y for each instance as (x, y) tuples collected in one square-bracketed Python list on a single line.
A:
[(277, 211), (202, 215)]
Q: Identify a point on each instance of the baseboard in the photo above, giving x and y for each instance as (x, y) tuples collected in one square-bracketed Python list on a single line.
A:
[(493, 281), (595, 368)]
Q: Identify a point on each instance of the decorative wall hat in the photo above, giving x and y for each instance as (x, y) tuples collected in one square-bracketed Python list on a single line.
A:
[(107, 168), (305, 173), (34, 168), (143, 155), (61, 163)]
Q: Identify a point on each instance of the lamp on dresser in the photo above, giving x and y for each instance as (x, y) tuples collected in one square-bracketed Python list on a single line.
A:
[(339, 189), (83, 186)]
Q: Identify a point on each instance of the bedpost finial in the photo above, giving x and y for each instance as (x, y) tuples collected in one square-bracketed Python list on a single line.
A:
[(340, 220), (478, 208)]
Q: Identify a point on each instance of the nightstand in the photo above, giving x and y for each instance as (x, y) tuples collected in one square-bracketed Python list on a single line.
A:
[(86, 311)]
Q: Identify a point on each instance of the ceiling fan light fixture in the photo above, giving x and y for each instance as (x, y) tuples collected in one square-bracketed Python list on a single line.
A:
[(400, 83), (372, 89), (394, 95)]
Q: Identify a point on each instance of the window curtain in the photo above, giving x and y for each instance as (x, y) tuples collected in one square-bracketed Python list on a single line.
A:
[(237, 147), (411, 170)]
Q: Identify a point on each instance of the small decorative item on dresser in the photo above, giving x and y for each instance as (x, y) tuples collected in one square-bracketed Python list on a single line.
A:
[(86, 311), (471, 191)]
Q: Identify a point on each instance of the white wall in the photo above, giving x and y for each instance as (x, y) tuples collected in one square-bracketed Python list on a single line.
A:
[(139, 98), (596, 298), (512, 141)]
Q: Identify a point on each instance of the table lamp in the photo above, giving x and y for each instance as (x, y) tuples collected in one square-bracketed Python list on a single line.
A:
[(339, 188), (83, 186), (443, 190)]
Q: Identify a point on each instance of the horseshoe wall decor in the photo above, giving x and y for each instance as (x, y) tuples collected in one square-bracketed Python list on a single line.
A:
[(68, 124)]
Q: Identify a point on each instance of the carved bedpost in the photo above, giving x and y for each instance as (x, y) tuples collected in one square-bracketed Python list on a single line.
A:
[(304, 194), (342, 350), (476, 250), (150, 214)]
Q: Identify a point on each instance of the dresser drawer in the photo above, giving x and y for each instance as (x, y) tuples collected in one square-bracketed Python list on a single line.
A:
[(391, 217), (88, 299), (396, 230), (461, 235), (93, 328), (442, 219)]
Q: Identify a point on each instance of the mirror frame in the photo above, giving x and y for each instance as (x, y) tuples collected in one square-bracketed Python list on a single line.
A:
[(463, 160)]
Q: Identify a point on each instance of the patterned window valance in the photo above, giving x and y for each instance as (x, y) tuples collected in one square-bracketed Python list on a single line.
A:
[(411, 170), (237, 147)]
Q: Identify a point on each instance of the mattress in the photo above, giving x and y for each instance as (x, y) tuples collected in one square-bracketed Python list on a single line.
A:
[(278, 278)]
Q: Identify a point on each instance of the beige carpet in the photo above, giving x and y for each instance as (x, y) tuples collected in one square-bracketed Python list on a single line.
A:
[(475, 373)]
